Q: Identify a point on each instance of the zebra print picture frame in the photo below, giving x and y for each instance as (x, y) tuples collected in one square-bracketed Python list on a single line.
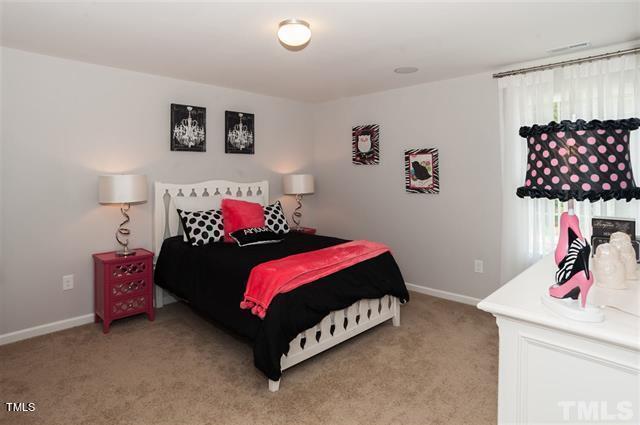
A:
[(421, 169), (365, 144)]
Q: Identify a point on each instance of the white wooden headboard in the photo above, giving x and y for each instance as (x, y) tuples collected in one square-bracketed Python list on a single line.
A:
[(166, 222)]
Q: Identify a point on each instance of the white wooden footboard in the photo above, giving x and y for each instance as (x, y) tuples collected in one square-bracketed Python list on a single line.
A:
[(334, 329)]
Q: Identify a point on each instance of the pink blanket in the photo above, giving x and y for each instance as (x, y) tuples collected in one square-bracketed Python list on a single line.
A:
[(278, 276)]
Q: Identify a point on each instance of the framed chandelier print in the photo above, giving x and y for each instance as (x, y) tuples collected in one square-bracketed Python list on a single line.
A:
[(188, 128), (421, 170), (365, 144), (239, 132)]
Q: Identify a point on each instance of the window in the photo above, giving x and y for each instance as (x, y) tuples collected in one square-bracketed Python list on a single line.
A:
[(604, 89)]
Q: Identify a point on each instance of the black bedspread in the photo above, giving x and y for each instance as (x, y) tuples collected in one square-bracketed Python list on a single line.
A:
[(212, 279)]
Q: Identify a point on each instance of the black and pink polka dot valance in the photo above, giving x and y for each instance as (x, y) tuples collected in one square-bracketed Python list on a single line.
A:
[(580, 160)]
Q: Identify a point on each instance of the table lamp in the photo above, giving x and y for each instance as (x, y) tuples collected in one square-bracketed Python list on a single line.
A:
[(576, 161), (298, 185), (123, 189)]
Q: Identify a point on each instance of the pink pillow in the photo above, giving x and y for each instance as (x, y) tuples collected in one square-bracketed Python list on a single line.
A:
[(238, 215)]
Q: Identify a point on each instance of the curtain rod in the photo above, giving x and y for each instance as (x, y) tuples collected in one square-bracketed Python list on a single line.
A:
[(568, 62)]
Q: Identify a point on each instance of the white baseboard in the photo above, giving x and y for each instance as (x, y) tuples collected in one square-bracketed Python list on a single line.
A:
[(60, 325), (451, 296), (47, 328)]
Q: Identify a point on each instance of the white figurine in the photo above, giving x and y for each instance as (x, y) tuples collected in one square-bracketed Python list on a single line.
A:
[(622, 241), (608, 267)]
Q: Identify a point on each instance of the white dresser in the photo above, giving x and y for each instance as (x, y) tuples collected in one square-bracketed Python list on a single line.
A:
[(558, 371)]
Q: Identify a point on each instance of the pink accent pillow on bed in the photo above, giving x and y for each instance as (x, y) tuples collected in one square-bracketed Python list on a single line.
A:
[(238, 215)]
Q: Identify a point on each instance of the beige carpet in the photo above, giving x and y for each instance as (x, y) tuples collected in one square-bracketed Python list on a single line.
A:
[(439, 367)]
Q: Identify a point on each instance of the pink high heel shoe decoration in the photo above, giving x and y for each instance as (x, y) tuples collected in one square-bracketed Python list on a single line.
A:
[(573, 277), (579, 284)]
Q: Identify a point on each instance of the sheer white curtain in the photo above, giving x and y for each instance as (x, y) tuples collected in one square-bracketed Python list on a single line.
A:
[(605, 89)]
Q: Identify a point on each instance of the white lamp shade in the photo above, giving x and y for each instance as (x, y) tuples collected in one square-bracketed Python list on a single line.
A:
[(122, 189), (298, 184)]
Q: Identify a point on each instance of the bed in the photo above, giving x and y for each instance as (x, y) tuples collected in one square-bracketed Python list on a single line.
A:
[(300, 323)]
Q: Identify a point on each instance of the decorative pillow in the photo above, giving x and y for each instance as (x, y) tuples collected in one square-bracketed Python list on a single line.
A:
[(193, 204), (206, 203), (255, 236), (238, 215), (274, 218), (202, 227)]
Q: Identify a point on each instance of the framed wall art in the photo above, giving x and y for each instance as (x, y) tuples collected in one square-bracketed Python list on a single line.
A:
[(365, 144), (421, 169), (188, 128), (239, 132)]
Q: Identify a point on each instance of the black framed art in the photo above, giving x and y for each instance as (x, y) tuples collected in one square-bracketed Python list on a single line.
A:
[(365, 144), (188, 128), (239, 132), (421, 169)]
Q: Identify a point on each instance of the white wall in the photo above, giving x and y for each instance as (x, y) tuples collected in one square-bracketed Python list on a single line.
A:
[(435, 238), (67, 122)]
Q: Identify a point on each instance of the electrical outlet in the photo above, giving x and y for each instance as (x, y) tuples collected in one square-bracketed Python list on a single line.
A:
[(478, 266), (67, 282)]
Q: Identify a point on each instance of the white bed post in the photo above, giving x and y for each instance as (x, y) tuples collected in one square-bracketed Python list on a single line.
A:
[(396, 312), (159, 297), (274, 385)]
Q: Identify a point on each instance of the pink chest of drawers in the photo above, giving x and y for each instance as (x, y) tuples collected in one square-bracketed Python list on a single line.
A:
[(123, 286)]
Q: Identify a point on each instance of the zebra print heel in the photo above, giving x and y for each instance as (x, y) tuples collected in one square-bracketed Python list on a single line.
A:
[(573, 277), (569, 227)]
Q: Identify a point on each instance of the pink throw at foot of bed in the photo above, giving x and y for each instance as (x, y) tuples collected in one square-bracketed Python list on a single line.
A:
[(269, 279)]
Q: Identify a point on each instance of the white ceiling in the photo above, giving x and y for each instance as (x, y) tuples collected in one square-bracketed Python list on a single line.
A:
[(353, 50)]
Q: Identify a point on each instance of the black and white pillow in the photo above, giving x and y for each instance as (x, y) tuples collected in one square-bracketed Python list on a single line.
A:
[(255, 236), (274, 219), (202, 227)]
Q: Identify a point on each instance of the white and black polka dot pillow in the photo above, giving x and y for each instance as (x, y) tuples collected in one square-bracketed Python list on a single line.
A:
[(274, 219), (202, 227)]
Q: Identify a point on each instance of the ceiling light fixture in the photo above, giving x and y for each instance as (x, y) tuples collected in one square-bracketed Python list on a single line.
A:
[(406, 70), (294, 32)]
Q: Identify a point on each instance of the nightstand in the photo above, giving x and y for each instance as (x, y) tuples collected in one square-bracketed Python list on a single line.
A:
[(307, 230), (123, 286)]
